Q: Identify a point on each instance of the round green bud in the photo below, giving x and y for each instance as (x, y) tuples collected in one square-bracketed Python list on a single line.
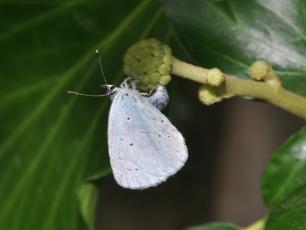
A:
[(150, 62), (215, 77), (259, 70), (209, 95)]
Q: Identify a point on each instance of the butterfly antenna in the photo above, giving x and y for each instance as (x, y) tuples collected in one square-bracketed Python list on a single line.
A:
[(100, 65), (87, 95), (104, 79)]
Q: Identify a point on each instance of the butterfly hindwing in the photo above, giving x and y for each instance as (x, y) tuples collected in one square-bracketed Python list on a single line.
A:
[(144, 147)]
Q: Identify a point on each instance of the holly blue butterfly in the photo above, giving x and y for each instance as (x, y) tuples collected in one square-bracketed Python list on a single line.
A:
[(145, 149)]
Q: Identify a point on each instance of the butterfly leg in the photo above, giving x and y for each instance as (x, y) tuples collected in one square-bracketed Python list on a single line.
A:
[(125, 83), (134, 84)]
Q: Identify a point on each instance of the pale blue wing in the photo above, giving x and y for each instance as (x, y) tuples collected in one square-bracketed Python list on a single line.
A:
[(144, 147)]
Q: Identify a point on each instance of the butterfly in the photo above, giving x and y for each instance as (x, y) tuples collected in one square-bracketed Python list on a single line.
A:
[(145, 148)]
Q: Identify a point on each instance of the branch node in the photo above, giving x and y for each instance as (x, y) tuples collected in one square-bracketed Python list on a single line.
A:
[(263, 71), (209, 95)]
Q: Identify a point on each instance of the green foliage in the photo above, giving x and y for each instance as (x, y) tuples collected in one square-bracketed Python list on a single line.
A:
[(290, 214), (232, 34), (214, 226), (284, 183), (50, 142), (286, 171), (88, 196)]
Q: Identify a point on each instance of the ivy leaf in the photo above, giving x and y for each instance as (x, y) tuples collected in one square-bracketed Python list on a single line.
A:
[(290, 214), (232, 34), (214, 226), (286, 171), (50, 142)]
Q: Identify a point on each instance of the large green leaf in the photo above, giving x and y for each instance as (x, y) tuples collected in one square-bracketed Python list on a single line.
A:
[(290, 214), (50, 141), (231, 34), (286, 171), (214, 226)]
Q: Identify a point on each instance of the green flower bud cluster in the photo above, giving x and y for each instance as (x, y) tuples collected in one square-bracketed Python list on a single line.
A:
[(150, 62)]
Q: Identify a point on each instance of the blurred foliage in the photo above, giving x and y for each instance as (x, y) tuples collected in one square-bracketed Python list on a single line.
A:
[(284, 182), (286, 171), (88, 194), (290, 214), (51, 142), (214, 226)]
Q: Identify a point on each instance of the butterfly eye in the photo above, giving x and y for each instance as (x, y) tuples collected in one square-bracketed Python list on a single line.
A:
[(109, 88)]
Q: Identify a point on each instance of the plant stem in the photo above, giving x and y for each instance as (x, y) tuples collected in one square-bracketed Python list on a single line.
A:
[(258, 225), (234, 86)]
